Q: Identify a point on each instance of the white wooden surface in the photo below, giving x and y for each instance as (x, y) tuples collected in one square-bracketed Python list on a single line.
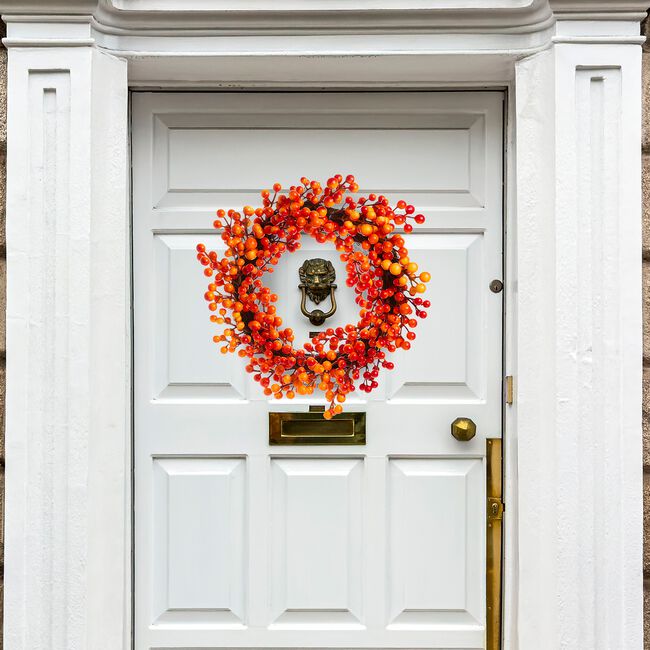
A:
[(579, 348), (241, 545), (67, 544)]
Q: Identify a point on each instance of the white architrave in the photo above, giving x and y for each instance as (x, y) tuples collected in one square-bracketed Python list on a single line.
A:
[(573, 455), (578, 349), (68, 323)]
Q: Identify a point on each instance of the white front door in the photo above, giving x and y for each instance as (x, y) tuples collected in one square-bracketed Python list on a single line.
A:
[(241, 544)]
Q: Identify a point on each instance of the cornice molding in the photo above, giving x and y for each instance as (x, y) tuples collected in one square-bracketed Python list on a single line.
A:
[(198, 18), (321, 16), (47, 7), (598, 6), (599, 9)]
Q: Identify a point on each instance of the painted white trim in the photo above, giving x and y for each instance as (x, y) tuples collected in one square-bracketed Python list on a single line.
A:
[(578, 348), (573, 476), (67, 539), (47, 42), (182, 18), (600, 40)]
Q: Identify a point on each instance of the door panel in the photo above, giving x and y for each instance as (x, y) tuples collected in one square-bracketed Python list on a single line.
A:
[(435, 560), (224, 152), (186, 363), (378, 546), (199, 511), (317, 541), (447, 358)]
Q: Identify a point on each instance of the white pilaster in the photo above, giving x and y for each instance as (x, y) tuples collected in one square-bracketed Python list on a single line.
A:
[(67, 553), (578, 302)]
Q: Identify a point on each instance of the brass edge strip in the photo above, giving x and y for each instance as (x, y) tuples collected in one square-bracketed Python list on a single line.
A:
[(494, 543)]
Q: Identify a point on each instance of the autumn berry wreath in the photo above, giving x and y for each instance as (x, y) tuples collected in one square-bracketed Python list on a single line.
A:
[(386, 281)]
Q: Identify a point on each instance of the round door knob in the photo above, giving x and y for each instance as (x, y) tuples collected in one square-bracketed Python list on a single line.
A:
[(463, 429)]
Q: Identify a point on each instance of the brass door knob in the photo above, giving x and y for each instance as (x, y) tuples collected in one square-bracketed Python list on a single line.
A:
[(463, 429)]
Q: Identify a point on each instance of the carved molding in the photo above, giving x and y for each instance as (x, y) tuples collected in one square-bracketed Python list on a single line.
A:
[(579, 365), (156, 18), (67, 421)]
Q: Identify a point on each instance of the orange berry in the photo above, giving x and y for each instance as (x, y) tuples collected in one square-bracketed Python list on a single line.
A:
[(395, 268), (411, 268), (425, 277)]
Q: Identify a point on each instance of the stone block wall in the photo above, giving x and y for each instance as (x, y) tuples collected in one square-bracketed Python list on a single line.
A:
[(3, 296), (646, 332)]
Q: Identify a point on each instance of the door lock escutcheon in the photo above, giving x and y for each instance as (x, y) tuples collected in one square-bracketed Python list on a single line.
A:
[(463, 429)]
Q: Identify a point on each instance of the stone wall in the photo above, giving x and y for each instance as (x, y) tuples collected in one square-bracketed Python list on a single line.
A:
[(3, 296), (645, 29)]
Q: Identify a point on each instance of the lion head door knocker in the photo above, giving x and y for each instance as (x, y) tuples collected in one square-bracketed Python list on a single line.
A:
[(317, 281)]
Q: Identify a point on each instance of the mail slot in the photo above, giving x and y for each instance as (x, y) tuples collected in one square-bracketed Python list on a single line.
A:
[(313, 429)]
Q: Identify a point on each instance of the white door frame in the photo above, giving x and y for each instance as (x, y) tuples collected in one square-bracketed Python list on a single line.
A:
[(573, 575)]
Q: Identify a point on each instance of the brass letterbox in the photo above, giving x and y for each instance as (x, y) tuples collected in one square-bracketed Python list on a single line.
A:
[(311, 428)]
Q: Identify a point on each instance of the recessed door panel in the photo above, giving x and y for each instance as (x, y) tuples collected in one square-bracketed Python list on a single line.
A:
[(316, 547), (435, 559), (222, 153), (446, 360), (187, 364), (198, 541), (243, 544)]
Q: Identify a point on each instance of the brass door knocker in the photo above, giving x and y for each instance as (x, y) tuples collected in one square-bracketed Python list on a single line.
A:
[(317, 281)]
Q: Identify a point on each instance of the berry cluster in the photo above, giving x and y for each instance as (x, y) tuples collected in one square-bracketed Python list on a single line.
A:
[(386, 281)]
